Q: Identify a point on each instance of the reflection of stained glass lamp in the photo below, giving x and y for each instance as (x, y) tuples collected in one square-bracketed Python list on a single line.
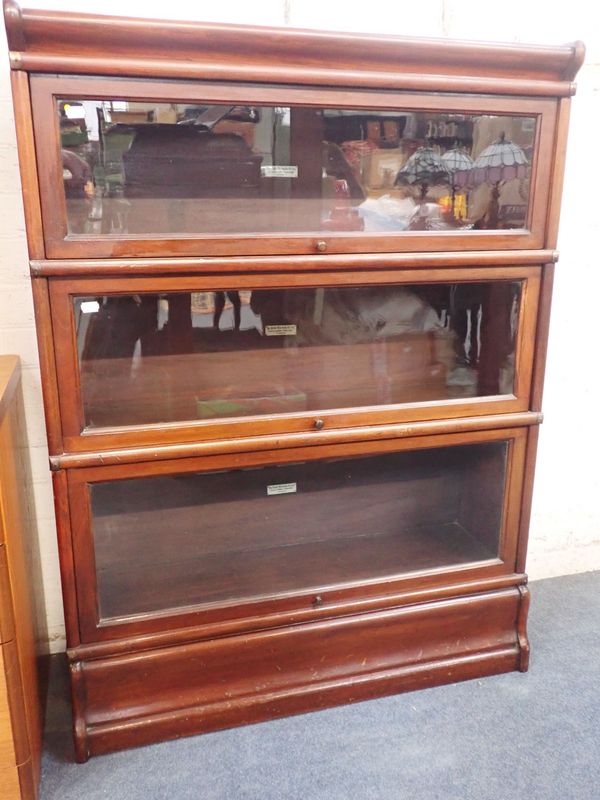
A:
[(426, 168), (460, 165), (501, 161)]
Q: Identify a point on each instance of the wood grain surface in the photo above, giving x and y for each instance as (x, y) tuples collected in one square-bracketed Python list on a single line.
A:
[(21, 625)]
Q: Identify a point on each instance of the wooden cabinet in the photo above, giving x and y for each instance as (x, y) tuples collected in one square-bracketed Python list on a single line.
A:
[(292, 293), (21, 614)]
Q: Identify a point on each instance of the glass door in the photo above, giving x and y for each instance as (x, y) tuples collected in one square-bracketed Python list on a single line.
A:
[(150, 168), (312, 526), (220, 355)]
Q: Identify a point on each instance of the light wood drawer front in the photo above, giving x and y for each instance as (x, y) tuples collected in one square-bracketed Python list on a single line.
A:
[(14, 736), (7, 747), (9, 783), (7, 621)]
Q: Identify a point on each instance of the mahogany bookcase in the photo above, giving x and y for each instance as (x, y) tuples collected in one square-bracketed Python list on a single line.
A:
[(292, 291)]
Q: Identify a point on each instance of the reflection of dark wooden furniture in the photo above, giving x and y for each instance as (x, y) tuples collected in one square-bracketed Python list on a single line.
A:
[(188, 161), (497, 345), (220, 565)]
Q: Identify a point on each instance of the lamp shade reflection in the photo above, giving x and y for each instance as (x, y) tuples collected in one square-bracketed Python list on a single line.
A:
[(501, 161), (460, 164), (426, 168)]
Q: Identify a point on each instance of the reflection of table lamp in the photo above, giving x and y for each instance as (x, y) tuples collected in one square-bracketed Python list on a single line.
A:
[(426, 168), (460, 164), (501, 161)]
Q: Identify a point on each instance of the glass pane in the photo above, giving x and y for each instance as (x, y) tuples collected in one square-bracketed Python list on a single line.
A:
[(173, 541), (132, 167), (172, 357)]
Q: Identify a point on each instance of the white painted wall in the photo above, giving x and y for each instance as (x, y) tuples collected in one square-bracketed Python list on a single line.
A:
[(565, 533)]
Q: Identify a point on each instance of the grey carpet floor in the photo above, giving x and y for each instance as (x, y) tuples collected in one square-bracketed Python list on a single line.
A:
[(534, 736)]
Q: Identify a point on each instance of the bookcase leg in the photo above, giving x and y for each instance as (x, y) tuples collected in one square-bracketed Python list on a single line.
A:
[(80, 737), (522, 628)]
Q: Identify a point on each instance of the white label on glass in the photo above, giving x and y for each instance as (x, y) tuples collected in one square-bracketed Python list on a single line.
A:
[(280, 330), (281, 488), (279, 171), (90, 306)]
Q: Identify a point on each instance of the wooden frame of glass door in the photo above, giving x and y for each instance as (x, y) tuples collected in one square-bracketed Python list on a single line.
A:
[(78, 546), (76, 438), (60, 244)]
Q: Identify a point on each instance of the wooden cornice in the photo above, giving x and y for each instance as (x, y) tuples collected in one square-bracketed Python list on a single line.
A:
[(68, 42)]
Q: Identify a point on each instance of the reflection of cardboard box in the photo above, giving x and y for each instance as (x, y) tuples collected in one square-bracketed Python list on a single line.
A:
[(166, 114), (245, 406), (384, 166), (130, 117)]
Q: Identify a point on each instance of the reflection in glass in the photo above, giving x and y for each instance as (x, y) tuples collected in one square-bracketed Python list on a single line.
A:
[(132, 167), (152, 358), (260, 532)]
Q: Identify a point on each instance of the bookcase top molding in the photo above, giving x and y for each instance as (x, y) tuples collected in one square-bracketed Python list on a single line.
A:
[(86, 44)]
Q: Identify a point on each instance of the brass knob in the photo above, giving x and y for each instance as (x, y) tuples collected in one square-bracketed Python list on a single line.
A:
[(319, 424), (318, 601), (321, 246)]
